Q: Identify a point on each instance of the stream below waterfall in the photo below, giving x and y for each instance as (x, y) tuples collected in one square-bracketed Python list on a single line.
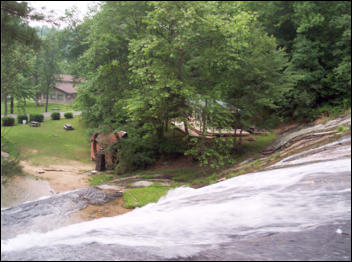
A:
[(300, 211)]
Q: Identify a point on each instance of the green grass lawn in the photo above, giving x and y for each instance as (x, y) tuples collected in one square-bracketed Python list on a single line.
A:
[(50, 141), (138, 197), (31, 108)]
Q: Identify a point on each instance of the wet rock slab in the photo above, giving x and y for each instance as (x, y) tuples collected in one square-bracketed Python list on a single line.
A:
[(321, 130), (49, 213)]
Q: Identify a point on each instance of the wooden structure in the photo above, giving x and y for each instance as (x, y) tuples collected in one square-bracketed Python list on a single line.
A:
[(194, 129), (64, 92), (104, 149)]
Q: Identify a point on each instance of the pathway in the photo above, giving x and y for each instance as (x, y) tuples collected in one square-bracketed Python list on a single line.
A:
[(48, 114)]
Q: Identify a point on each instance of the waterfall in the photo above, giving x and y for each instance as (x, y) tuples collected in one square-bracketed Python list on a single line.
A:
[(296, 212)]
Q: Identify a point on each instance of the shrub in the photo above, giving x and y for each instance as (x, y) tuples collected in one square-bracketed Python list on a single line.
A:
[(137, 151), (8, 121), (341, 129), (55, 116), (36, 117), (172, 146), (215, 153), (20, 118), (68, 115), (9, 165)]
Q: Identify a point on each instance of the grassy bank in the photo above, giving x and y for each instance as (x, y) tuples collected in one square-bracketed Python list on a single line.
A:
[(49, 142), (138, 197), (31, 108), (194, 175)]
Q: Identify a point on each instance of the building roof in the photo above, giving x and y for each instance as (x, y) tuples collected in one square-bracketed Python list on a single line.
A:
[(68, 88), (67, 83)]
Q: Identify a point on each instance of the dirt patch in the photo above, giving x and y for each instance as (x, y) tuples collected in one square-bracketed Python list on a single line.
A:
[(113, 208), (62, 177)]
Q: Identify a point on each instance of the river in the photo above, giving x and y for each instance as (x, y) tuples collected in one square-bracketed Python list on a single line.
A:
[(289, 212)]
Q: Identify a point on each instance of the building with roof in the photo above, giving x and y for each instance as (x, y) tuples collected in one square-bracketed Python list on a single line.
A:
[(64, 91)]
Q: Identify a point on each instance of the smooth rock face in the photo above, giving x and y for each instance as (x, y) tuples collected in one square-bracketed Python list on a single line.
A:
[(48, 213), (318, 130), (292, 213)]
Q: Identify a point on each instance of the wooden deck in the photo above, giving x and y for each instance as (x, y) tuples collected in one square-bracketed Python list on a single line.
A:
[(194, 130)]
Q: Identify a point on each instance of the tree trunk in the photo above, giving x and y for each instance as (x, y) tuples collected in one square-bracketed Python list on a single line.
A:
[(47, 100), (167, 124), (186, 127), (160, 133), (234, 139), (37, 101), (5, 104), (11, 105), (204, 118), (179, 77), (240, 141), (37, 95)]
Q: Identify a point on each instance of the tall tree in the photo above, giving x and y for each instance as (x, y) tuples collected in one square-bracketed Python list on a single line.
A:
[(16, 39), (15, 64), (105, 63), (202, 53), (47, 65), (317, 37)]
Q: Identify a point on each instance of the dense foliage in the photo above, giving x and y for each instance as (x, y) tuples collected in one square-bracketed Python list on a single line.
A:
[(317, 38), (235, 65)]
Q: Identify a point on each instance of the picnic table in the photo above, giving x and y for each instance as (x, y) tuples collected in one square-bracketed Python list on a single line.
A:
[(34, 124)]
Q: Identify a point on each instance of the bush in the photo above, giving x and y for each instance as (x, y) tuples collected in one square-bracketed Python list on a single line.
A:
[(8, 121), (20, 118), (9, 165), (137, 151), (215, 153), (55, 116), (36, 117), (68, 115), (172, 146)]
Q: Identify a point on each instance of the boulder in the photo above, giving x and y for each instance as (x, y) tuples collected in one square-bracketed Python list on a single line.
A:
[(141, 184)]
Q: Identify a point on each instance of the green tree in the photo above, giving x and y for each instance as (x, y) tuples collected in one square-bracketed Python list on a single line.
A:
[(47, 66), (104, 64), (317, 37), (16, 64), (17, 37)]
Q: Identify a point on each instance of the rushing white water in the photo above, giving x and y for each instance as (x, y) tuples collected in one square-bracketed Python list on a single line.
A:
[(187, 221)]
